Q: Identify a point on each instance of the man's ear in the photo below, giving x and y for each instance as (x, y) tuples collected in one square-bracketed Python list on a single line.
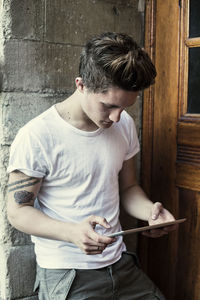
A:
[(79, 84)]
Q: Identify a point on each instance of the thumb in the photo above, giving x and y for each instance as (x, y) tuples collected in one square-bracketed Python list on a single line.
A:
[(156, 210)]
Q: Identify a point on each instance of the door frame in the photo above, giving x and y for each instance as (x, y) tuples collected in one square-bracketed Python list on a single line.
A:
[(158, 109)]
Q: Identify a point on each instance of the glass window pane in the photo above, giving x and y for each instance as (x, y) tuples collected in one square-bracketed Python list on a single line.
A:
[(194, 81), (194, 17)]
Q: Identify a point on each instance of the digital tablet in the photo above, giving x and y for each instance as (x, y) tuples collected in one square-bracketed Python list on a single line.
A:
[(146, 228)]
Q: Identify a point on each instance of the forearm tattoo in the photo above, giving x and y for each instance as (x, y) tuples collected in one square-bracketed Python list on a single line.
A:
[(23, 196), (22, 181)]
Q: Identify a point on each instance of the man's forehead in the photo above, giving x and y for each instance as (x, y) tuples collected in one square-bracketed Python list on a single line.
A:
[(119, 98)]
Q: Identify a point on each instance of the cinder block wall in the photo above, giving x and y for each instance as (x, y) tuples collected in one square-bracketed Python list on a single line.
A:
[(40, 43)]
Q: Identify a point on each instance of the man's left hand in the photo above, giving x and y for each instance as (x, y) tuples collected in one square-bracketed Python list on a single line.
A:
[(160, 215)]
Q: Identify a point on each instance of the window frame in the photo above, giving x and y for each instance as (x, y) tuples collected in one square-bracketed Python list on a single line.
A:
[(186, 43)]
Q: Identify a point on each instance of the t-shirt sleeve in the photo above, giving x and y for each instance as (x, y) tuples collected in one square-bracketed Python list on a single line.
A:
[(27, 154), (134, 146)]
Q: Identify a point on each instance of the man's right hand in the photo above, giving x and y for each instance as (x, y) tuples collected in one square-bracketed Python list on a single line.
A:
[(85, 237)]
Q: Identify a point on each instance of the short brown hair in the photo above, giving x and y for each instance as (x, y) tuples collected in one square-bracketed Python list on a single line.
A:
[(115, 59)]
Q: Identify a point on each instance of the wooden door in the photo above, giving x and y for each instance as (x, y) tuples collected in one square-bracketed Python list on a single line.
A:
[(171, 144)]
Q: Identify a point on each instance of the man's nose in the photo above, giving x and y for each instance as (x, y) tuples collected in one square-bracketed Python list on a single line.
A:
[(115, 114)]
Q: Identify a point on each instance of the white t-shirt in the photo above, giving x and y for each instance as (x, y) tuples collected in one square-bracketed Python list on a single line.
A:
[(80, 178)]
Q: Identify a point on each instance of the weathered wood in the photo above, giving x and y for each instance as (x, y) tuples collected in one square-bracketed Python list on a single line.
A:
[(147, 141), (148, 99), (164, 251), (188, 176), (189, 133), (194, 42), (188, 267), (171, 152), (161, 263), (183, 57)]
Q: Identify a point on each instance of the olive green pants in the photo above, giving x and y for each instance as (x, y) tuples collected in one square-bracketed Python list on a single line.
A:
[(124, 280)]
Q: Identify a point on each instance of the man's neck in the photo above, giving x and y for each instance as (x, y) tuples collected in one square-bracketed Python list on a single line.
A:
[(71, 111)]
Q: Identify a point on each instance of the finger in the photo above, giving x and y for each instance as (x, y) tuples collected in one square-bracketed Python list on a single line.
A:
[(101, 239), (156, 210), (94, 244), (99, 220), (171, 228), (95, 239), (96, 248), (86, 247)]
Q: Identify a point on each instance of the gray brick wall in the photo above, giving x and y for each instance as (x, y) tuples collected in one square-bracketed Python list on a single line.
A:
[(40, 43)]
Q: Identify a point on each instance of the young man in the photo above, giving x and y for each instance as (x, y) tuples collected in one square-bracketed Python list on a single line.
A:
[(70, 167)]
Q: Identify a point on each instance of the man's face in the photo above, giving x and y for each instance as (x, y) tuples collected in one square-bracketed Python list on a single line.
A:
[(105, 108)]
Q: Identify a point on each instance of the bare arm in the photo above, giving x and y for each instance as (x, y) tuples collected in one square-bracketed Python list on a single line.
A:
[(22, 191), (137, 204), (133, 198)]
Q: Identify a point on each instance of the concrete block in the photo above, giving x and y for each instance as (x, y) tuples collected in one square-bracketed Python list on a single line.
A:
[(84, 19), (80, 19), (4, 283), (128, 20), (29, 298), (141, 6), (23, 19), (18, 108), (17, 275), (43, 67), (16, 238), (21, 271), (135, 112)]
